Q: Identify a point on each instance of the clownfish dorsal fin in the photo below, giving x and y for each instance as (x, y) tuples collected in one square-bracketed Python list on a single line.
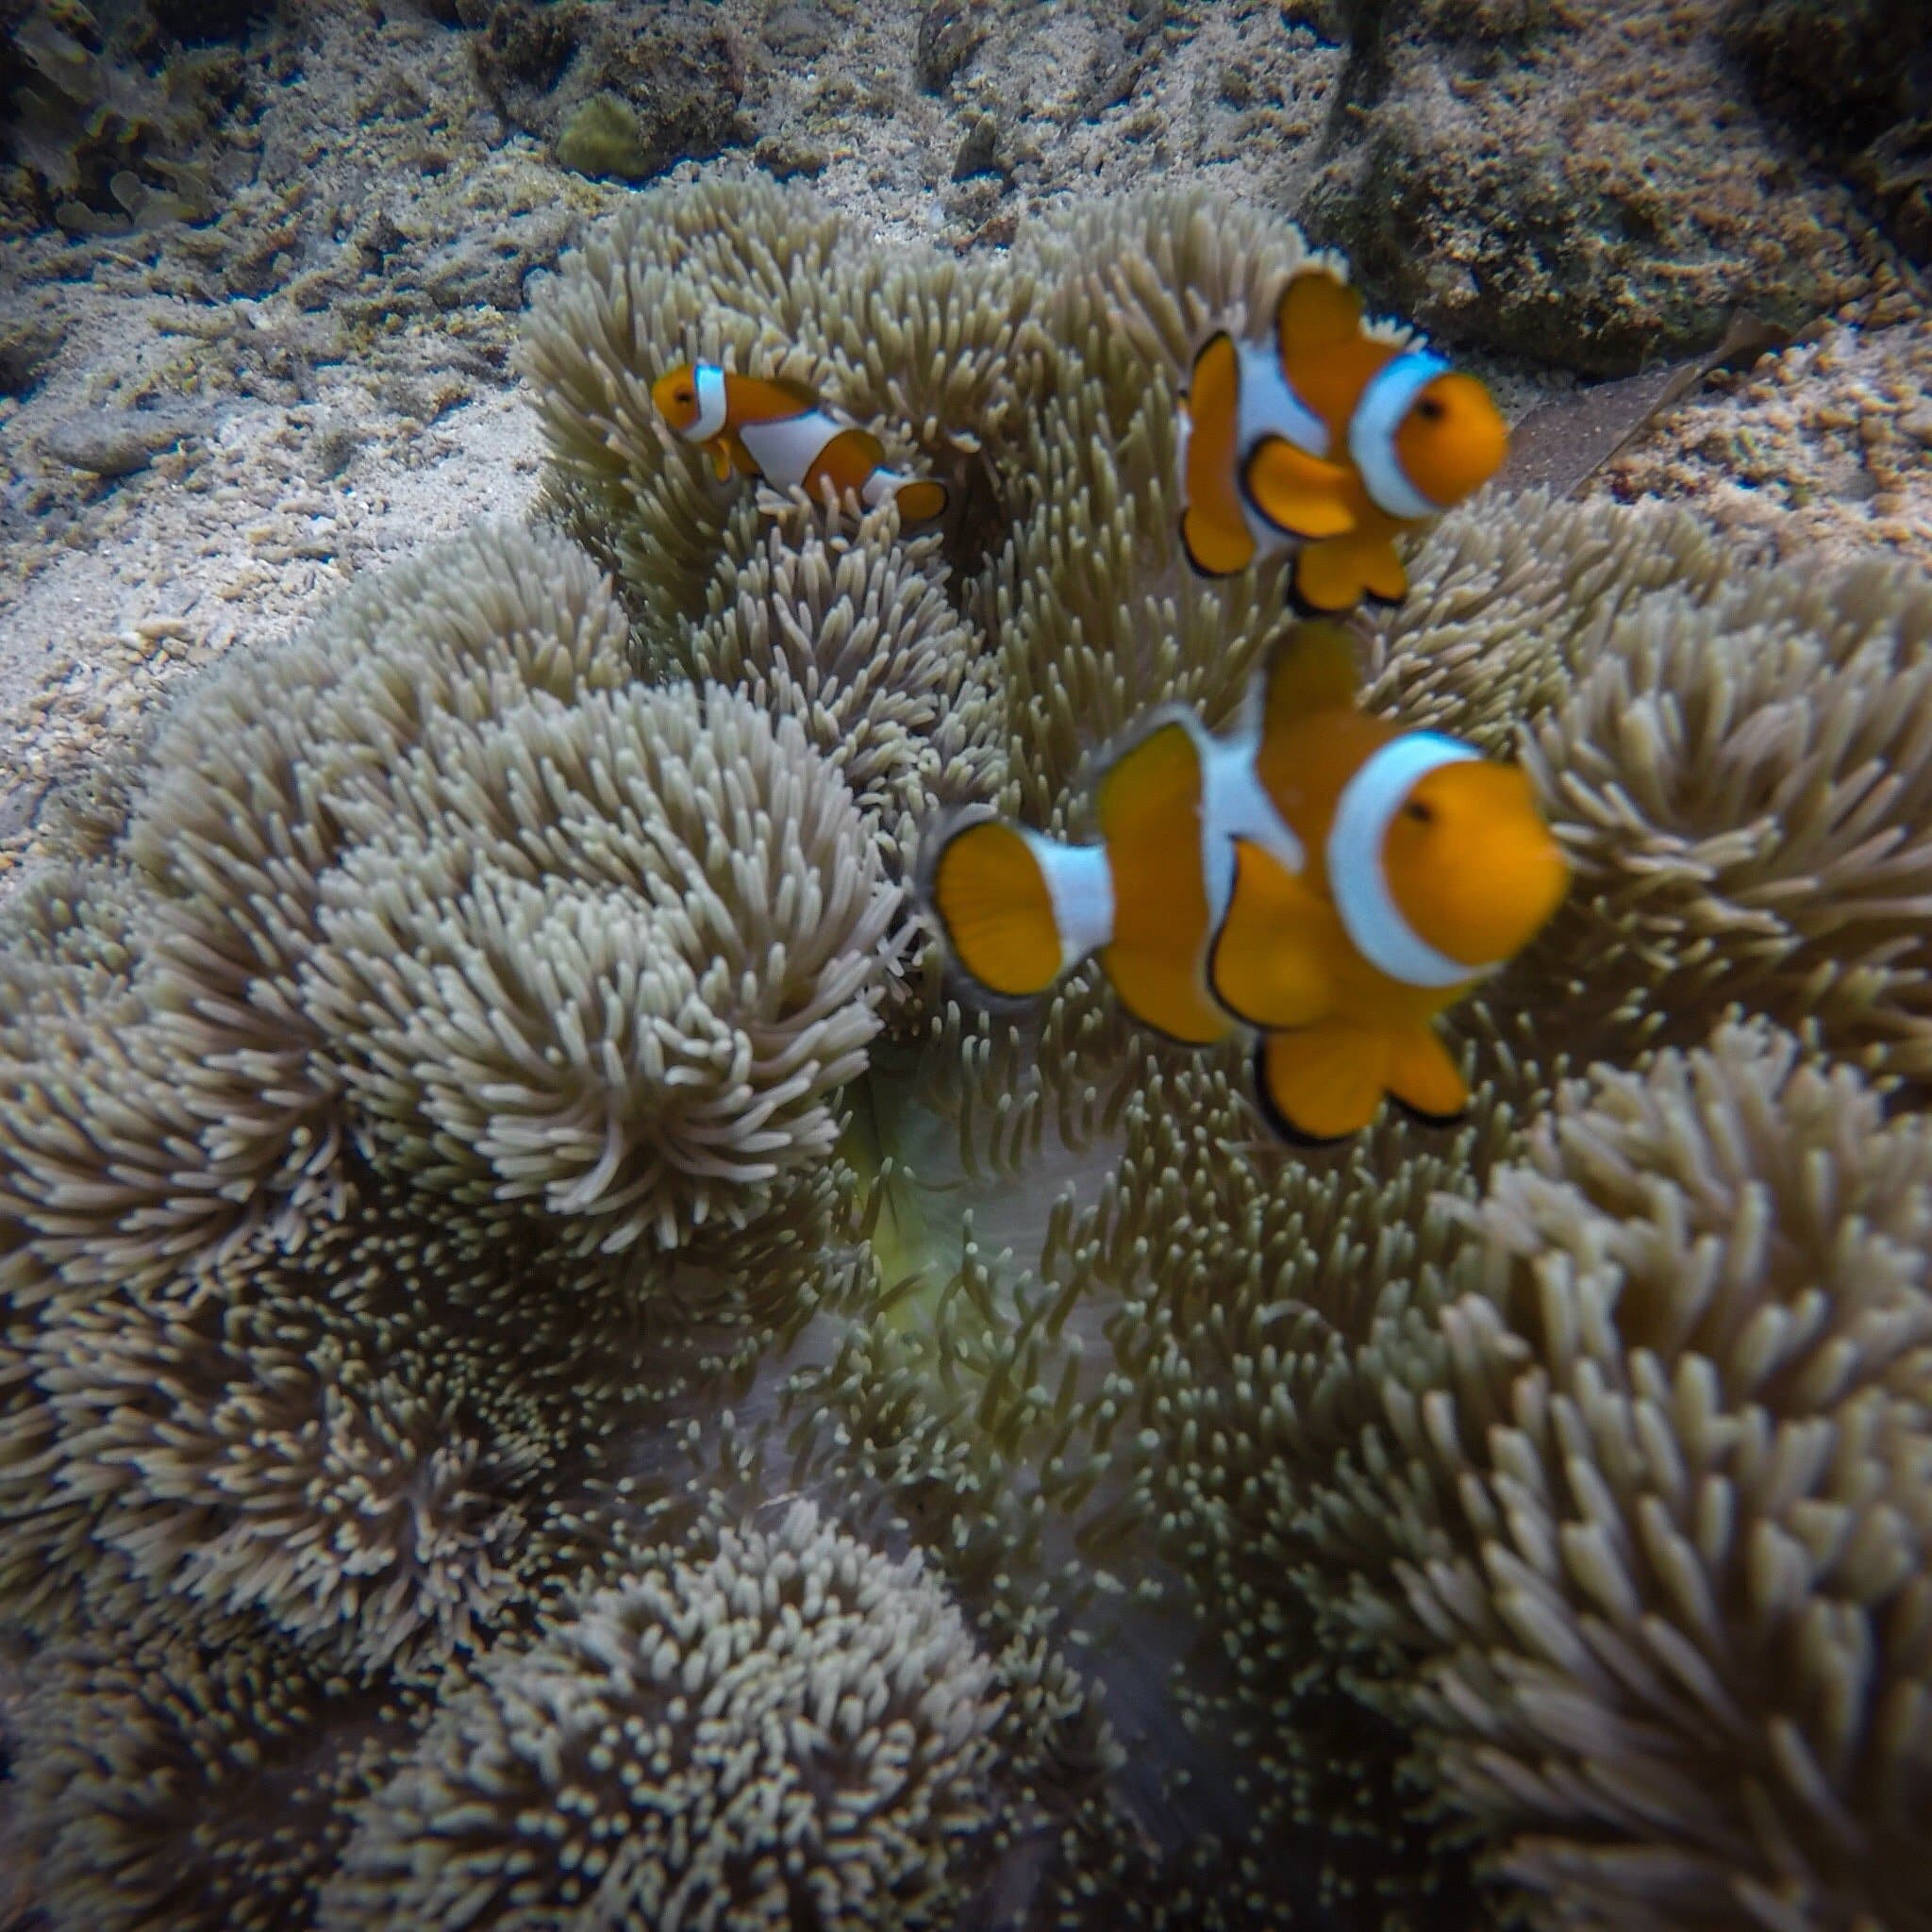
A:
[(1318, 310), (768, 398), (1312, 670), (799, 392)]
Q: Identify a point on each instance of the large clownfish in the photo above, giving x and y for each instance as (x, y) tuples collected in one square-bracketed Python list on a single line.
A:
[(1319, 877), (772, 428), (1329, 441)]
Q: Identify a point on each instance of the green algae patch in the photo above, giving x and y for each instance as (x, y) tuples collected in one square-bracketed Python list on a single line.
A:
[(603, 137)]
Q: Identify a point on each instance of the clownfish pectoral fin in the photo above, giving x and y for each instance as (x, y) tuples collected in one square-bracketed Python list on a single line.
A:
[(989, 886), (1317, 311), (722, 454), (1300, 495), (1311, 669), (1213, 531), (1424, 1080), (1338, 573), (1265, 965), (1148, 805), (921, 500), (1321, 1083)]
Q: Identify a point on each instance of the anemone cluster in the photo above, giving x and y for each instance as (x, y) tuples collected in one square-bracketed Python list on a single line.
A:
[(556, 1374)]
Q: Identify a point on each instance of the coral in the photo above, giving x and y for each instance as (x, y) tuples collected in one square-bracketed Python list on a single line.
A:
[(1640, 1543), (631, 1011), (1743, 790), (108, 112), (855, 637), (1572, 183), (352, 1437), (144, 1759), (847, 1772)]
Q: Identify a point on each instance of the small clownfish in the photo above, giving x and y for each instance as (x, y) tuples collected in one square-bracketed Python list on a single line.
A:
[(772, 428), (1330, 440), (1323, 878)]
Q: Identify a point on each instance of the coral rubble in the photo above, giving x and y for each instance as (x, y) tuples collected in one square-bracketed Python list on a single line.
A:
[(535, 1318)]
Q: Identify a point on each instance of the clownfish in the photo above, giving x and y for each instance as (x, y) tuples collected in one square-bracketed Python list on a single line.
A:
[(772, 428), (1326, 880), (1330, 440)]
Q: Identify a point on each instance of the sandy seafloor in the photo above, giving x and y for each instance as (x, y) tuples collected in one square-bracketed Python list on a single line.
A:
[(324, 367), (358, 400)]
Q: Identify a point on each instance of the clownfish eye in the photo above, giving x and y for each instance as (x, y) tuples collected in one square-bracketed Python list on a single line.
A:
[(685, 394), (1423, 814), (1430, 409)]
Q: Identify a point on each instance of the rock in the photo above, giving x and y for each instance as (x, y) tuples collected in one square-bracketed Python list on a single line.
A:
[(521, 52), (1855, 78), (979, 150), (950, 32), (1574, 183), (25, 349), (796, 31), (1850, 68), (117, 442), (783, 157)]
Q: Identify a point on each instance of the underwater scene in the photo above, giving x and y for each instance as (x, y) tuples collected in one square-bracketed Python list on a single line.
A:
[(965, 965)]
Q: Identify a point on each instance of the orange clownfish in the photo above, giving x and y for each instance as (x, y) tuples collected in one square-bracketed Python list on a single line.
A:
[(1321, 878), (1328, 440), (774, 430)]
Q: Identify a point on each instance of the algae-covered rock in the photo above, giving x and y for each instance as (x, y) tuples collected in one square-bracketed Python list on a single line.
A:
[(624, 90), (110, 111), (1572, 182)]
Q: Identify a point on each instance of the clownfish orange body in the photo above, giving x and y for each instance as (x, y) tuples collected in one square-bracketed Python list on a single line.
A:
[(772, 429), (1324, 878), (1328, 441)]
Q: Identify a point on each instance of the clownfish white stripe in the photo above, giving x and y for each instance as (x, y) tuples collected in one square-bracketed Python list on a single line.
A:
[(1268, 407), (1079, 881), (710, 386), (785, 450), (1356, 879), (880, 484), (1391, 393), (1234, 805)]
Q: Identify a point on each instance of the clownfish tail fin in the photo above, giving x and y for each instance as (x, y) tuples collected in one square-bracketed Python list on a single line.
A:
[(920, 499), (1015, 909)]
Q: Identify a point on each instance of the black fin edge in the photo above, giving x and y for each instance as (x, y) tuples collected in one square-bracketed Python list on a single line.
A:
[(1209, 968)]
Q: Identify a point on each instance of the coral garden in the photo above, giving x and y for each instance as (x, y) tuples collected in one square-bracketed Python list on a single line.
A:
[(555, 1374)]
